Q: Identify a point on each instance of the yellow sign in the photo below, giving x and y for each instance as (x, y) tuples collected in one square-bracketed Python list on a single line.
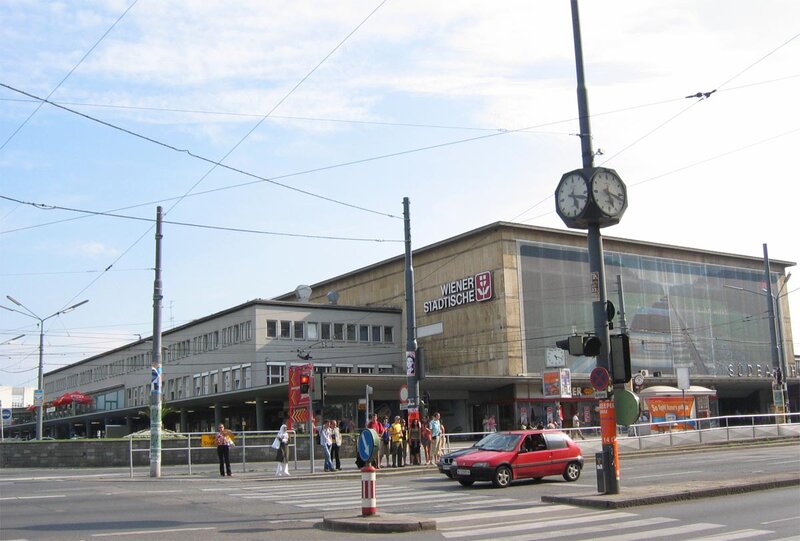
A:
[(208, 440)]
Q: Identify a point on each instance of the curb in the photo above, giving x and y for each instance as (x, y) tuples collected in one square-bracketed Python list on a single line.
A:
[(379, 523), (674, 493)]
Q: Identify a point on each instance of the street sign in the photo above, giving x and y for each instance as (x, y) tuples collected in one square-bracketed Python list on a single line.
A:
[(38, 397), (599, 378), (6, 414), (367, 444)]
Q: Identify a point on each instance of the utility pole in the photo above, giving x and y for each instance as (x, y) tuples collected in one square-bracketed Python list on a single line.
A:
[(155, 372), (412, 369)]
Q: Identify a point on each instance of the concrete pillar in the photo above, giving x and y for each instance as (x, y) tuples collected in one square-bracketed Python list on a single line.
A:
[(217, 414), (129, 424), (260, 422), (184, 421)]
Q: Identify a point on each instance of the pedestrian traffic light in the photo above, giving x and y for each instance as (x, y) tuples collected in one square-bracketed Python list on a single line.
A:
[(580, 346), (620, 358), (304, 384)]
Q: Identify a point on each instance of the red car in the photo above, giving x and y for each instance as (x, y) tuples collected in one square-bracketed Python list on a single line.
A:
[(521, 454)]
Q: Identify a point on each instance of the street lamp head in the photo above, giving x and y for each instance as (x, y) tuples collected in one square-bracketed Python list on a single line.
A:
[(12, 299), (73, 307)]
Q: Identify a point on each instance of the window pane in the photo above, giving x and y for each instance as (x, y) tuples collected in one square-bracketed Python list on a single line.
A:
[(363, 333), (272, 328), (325, 331), (312, 330), (351, 332), (338, 331), (388, 334), (299, 330), (286, 329), (376, 333)]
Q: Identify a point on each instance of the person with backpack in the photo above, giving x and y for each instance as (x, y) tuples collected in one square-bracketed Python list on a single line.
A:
[(377, 426), (386, 441)]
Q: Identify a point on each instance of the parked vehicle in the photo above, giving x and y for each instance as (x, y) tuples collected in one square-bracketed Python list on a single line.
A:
[(504, 457)]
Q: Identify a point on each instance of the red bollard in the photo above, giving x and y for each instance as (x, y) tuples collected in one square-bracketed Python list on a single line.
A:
[(369, 501)]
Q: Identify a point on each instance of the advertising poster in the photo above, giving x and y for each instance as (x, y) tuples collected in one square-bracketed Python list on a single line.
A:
[(671, 409), (551, 384), (557, 383)]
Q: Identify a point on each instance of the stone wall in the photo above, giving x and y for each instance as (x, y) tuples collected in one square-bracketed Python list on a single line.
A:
[(98, 453)]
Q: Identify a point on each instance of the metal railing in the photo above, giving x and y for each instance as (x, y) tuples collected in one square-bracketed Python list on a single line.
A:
[(193, 445), (642, 436)]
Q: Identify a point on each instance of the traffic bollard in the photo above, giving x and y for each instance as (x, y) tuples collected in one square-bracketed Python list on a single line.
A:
[(369, 501)]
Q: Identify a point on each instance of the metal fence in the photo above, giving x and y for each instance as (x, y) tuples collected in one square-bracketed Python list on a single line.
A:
[(672, 433), (191, 443)]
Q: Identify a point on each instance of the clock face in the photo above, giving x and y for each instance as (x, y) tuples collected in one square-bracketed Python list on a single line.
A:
[(572, 195), (608, 193)]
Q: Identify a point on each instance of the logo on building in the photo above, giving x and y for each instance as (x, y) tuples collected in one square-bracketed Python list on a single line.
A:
[(477, 288)]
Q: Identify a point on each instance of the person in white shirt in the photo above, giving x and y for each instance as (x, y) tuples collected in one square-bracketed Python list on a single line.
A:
[(326, 441)]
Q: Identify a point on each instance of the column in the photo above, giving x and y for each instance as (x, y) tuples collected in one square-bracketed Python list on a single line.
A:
[(260, 422)]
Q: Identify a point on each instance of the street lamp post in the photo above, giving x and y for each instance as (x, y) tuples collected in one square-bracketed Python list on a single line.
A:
[(41, 320)]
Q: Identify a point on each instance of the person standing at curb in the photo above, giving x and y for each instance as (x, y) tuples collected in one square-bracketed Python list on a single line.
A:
[(426, 440), (224, 441), (436, 436), (336, 437), (282, 441), (377, 426), (415, 437), (326, 441), (397, 449)]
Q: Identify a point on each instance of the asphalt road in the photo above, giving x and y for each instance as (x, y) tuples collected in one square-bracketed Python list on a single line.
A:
[(72, 505)]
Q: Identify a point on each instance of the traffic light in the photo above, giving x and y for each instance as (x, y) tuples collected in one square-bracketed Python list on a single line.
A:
[(580, 346), (304, 384), (621, 358)]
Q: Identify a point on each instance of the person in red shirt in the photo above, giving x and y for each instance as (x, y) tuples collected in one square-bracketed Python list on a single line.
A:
[(378, 427)]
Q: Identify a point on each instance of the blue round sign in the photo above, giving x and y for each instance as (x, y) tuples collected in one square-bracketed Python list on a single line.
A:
[(6, 414), (367, 444)]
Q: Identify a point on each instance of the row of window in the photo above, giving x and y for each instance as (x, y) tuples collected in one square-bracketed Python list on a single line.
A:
[(215, 381), (99, 373), (312, 330), (277, 371), (210, 341)]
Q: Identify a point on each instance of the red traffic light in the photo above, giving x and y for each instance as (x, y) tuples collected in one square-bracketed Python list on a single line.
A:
[(304, 379)]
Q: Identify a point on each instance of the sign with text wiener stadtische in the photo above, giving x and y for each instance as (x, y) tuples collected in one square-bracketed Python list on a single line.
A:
[(467, 290)]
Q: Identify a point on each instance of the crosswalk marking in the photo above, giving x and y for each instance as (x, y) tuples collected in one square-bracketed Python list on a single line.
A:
[(599, 516), (678, 531), (590, 530), (544, 508), (738, 534)]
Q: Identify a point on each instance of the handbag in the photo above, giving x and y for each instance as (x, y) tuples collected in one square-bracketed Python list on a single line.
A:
[(276, 443)]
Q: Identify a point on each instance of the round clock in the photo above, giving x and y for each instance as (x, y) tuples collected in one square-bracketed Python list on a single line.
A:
[(572, 195), (608, 192)]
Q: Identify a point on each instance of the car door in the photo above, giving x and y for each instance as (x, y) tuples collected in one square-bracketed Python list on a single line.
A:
[(533, 459)]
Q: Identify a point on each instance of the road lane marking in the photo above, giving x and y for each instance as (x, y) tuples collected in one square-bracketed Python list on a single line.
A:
[(33, 497), (671, 474), (589, 530), (149, 532), (781, 520)]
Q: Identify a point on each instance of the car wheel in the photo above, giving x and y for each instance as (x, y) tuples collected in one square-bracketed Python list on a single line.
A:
[(573, 471), (502, 477), (466, 482)]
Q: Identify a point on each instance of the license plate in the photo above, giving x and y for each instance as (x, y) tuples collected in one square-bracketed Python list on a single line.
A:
[(462, 471)]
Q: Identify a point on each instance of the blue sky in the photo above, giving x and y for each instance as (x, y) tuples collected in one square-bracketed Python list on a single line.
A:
[(467, 108)]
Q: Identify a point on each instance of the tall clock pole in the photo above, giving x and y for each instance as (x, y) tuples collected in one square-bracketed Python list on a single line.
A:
[(603, 204)]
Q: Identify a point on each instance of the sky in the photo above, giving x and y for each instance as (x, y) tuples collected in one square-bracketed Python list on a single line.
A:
[(280, 138)]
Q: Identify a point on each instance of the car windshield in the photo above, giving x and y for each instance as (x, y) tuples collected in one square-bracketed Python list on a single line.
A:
[(499, 442)]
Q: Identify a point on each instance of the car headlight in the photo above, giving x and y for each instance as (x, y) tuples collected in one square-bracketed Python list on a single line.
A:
[(481, 465)]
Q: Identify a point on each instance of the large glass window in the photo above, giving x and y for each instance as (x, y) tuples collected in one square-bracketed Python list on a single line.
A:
[(286, 329), (678, 313), (299, 330)]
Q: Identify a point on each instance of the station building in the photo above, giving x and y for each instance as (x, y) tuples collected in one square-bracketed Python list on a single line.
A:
[(490, 305)]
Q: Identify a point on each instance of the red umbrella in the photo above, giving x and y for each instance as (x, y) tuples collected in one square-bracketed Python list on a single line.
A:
[(73, 396)]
